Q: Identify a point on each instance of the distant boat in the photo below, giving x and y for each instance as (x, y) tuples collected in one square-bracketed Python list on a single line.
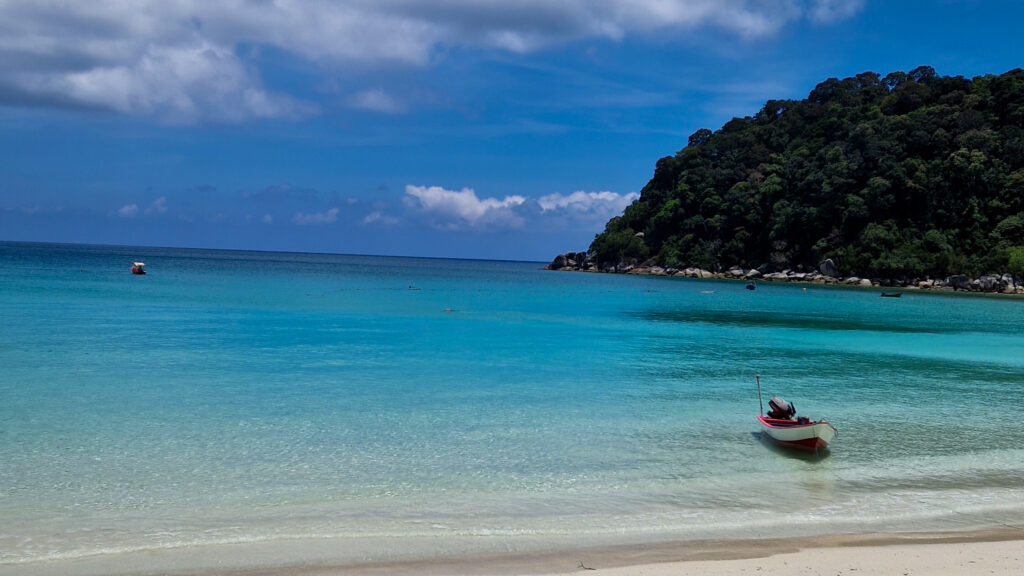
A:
[(138, 267), (891, 294), (751, 286), (783, 427)]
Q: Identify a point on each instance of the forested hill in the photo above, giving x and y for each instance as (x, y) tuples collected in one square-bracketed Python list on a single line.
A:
[(901, 176)]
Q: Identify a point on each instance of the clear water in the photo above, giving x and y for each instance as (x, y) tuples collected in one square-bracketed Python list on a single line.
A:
[(234, 397)]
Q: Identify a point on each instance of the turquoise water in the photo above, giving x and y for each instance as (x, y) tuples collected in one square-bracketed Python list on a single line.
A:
[(414, 407)]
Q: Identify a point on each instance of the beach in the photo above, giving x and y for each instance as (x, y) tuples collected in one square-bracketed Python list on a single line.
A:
[(998, 551), (990, 552)]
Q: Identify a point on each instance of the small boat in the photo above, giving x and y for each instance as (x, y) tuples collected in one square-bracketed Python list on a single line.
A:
[(138, 267), (891, 294), (783, 427), (751, 286), (801, 433)]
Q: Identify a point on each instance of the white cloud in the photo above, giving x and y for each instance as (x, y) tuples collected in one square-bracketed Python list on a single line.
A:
[(128, 211), (378, 217), (327, 217), (158, 206), (190, 60), (829, 11), (375, 101), (598, 203), (454, 209)]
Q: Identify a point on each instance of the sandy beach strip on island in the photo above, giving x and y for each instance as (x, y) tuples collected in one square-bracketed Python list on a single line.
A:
[(998, 551)]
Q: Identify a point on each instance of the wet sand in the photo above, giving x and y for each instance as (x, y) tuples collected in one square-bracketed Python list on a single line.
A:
[(998, 551)]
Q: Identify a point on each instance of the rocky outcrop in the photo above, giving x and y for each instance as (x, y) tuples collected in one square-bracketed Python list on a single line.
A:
[(828, 268), (991, 283), (576, 261)]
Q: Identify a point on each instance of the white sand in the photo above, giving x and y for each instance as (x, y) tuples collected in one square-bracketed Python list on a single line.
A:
[(998, 551), (960, 559)]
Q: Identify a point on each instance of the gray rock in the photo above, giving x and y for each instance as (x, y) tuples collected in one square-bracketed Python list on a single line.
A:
[(958, 282), (989, 283), (753, 273), (559, 262), (828, 268)]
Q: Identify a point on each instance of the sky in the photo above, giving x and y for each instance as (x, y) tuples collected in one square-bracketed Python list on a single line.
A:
[(509, 130)]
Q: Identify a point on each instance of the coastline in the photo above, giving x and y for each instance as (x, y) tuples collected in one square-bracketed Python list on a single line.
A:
[(998, 550), (1005, 284)]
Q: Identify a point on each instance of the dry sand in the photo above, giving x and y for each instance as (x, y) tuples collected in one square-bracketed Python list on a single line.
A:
[(960, 559), (997, 552)]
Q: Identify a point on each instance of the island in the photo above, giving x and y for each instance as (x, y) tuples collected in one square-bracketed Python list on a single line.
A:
[(911, 179)]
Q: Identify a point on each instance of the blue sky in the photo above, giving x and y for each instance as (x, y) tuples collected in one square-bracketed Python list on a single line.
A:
[(450, 128)]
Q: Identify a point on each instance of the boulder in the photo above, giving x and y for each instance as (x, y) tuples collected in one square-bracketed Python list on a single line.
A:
[(753, 273), (828, 268), (958, 282), (864, 282), (558, 263), (852, 280), (988, 283)]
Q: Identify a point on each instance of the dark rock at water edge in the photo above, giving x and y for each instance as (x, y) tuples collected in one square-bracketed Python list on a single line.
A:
[(990, 283), (575, 261)]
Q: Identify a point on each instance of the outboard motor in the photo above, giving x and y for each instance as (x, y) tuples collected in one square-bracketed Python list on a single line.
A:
[(780, 409)]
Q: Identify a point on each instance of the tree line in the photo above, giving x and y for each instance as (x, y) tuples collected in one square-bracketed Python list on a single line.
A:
[(903, 176)]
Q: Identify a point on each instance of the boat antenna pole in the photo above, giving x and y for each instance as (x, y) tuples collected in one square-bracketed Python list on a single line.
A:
[(759, 402)]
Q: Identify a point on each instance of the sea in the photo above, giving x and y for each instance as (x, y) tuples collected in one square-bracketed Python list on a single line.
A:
[(238, 409)]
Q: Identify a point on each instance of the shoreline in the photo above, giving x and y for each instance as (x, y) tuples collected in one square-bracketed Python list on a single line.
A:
[(836, 552), (984, 285), (996, 550)]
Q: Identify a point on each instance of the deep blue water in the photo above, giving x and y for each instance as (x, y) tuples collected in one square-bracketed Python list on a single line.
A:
[(473, 406)]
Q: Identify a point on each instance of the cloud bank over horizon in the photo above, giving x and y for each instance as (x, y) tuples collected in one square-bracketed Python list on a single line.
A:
[(444, 210), (191, 61)]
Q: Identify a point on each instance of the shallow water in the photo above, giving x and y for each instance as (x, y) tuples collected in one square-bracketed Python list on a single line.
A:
[(233, 397)]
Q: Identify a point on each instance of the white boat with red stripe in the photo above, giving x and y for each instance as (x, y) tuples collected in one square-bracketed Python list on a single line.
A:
[(783, 427), (800, 433)]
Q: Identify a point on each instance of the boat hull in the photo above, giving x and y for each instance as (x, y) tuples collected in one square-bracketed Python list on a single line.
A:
[(810, 436)]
